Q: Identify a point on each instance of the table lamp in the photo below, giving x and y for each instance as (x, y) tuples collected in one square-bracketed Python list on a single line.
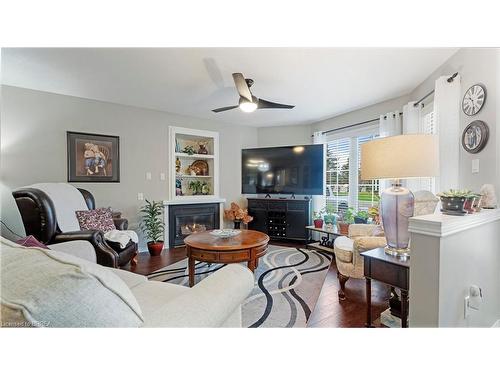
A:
[(399, 157)]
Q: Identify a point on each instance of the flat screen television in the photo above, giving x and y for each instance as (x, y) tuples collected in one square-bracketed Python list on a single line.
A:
[(283, 170)]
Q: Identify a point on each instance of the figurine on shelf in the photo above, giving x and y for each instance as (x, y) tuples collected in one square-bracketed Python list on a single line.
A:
[(489, 198), (178, 187), (177, 165), (189, 150), (202, 147)]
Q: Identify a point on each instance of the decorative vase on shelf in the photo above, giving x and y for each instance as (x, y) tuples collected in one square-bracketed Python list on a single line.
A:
[(237, 224)]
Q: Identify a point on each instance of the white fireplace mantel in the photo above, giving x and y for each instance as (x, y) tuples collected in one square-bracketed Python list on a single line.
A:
[(194, 201)]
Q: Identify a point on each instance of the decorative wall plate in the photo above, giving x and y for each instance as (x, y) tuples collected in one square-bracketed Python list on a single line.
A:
[(474, 99), (475, 136), (200, 167)]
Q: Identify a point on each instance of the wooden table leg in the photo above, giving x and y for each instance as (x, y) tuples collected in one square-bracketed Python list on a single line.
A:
[(251, 264), (191, 271), (368, 303), (404, 308)]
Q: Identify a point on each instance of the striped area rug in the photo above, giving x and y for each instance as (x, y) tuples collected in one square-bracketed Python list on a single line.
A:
[(287, 285)]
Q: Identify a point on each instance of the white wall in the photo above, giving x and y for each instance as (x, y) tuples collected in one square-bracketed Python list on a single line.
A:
[(284, 135), (34, 126), (475, 65)]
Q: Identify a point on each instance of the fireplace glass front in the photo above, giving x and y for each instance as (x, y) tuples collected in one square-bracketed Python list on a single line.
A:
[(191, 218)]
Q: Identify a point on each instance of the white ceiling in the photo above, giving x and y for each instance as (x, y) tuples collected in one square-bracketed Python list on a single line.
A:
[(320, 82)]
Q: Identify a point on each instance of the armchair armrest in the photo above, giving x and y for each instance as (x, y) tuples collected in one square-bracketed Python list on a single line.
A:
[(209, 303), (362, 244), (106, 256), (361, 230), (121, 223)]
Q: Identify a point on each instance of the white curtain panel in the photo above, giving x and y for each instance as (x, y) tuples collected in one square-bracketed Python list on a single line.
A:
[(318, 201), (413, 124), (447, 120), (389, 125)]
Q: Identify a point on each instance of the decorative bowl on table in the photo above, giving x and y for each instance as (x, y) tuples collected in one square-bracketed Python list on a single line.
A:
[(225, 233)]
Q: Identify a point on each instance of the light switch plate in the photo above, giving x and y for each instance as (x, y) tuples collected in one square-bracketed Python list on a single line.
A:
[(162, 176), (475, 165), (148, 175), (140, 196)]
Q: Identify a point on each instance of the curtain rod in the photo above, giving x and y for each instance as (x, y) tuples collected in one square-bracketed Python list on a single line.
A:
[(450, 79)]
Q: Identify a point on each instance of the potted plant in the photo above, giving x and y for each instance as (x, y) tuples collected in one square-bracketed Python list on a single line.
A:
[(152, 226), (318, 218), (453, 201), (195, 187), (237, 215), (346, 218), (330, 217), (472, 202), (361, 217)]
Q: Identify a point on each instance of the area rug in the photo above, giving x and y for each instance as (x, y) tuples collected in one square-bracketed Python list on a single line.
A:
[(287, 285)]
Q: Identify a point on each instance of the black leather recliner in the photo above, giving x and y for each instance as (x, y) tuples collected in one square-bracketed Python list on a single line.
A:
[(39, 219)]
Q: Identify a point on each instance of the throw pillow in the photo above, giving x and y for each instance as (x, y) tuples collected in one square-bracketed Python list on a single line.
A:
[(98, 219), (31, 241), (53, 289)]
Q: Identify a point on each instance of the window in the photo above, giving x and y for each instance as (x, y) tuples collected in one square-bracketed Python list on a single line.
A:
[(344, 187)]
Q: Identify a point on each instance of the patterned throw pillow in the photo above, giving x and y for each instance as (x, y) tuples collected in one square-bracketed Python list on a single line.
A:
[(99, 219), (31, 241)]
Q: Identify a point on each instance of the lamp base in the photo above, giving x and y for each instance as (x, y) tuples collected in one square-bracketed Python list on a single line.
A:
[(403, 253)]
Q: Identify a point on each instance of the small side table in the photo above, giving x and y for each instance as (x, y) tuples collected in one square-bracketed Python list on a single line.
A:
[(326, 243), (391, 270)]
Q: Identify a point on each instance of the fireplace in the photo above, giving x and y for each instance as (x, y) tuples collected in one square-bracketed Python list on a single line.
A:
[(184, 219)]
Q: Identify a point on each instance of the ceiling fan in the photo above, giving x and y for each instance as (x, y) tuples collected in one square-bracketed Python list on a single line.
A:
[(248, 102)]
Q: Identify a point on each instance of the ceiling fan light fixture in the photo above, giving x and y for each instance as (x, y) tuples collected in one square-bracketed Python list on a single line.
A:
[(247, 106)]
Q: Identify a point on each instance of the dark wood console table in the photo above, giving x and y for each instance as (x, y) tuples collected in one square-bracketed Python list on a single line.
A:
[(391, 270)]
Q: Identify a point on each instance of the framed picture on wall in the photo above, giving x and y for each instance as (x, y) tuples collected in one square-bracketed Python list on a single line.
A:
[(93, 157)]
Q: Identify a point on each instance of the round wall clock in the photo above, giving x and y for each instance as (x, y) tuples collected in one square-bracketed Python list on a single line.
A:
[(474, 99), (475, 136)]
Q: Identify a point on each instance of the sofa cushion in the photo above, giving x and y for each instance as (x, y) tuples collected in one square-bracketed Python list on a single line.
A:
[(54, 289), (343, 247), (129, 278), (98, 219)]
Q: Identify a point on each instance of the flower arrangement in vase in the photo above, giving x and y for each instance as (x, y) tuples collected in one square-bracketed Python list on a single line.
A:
[(237, 215)]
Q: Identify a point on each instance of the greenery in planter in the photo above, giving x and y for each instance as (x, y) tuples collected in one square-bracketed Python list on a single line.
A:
[(195, 187), (330, 216), (151, 225), (318, 215), (346, 216), (457, 194), (361, 215)]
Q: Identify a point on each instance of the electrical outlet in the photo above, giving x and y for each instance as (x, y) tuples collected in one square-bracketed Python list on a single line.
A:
[(148, 176), (162, 176), (466, 307), (140, 196), (475, 166)]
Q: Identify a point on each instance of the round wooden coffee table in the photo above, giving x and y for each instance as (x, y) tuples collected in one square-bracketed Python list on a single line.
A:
[(248, 246)]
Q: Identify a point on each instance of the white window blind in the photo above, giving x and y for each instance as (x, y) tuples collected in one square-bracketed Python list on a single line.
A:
[(428, 127), (344, 187), (337, 172)]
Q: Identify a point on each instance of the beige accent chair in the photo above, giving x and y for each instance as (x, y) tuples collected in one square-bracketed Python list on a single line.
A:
[(364, 237), (361, 237)]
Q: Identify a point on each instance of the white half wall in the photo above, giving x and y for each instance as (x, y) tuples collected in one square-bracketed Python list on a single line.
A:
[(33, 137)]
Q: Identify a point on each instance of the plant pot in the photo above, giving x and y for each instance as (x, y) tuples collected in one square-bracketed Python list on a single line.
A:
[(360, 220), (155, 248), (469, 204), (237, 224), (453, 203), (343, 228), (330, 219), (318, 223)]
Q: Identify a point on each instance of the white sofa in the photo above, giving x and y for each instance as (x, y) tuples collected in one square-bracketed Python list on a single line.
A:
[(213, 302)]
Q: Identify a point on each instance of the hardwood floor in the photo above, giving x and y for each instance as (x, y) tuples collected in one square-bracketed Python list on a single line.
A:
[(329, 312)]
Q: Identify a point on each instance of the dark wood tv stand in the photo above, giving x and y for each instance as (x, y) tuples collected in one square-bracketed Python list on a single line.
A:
[(280, 218)]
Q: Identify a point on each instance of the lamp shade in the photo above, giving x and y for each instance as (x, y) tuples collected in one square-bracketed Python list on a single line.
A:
[(401, 156)]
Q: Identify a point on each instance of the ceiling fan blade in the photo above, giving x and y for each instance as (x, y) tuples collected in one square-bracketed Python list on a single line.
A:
[(241, 86), (263, 104), (224, 109)]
